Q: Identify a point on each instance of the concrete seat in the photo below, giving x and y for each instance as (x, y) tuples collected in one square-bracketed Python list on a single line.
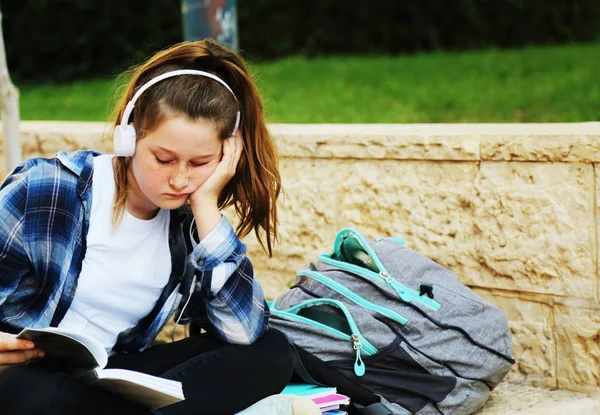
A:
[(518, 399)]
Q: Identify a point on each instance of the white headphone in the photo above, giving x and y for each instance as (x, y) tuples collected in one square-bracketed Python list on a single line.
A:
[(124, 136)]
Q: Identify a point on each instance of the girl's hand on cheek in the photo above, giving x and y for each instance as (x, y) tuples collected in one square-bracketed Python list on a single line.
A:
[(204, 199), (208, 193)]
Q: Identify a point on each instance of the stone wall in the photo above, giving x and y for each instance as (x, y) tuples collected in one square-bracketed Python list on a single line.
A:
[(510, 208)]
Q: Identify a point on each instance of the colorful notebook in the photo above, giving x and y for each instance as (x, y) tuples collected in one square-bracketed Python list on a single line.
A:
[(326, 398), (308, 390), (330, 402)]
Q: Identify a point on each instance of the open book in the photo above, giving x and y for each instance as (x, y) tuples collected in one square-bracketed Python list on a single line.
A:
[(84, 356)]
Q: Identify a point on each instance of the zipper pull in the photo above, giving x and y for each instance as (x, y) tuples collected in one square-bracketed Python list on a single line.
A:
[(390, 281), (359, 365), (386, 277)]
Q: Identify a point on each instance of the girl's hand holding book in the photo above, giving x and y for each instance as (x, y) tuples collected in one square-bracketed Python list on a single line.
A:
[(15, 351)]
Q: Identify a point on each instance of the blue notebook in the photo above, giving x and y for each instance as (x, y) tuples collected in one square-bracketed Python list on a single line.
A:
[(308, 390)]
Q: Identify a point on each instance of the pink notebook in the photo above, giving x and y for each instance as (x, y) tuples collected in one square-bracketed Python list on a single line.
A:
[(329, 401)]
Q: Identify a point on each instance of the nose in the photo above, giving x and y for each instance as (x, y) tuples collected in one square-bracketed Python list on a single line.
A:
[(179, 179)]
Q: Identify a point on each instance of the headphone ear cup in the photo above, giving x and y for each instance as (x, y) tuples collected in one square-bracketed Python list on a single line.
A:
[(124, 140)]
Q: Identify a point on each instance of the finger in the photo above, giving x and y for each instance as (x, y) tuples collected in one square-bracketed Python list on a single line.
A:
[(9, 342), (239, 148), (235, 144), (221, 170), (227, 148), (228, 154), (13, 358)]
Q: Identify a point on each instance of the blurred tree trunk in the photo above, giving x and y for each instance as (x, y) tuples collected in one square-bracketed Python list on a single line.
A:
[(9, 106)]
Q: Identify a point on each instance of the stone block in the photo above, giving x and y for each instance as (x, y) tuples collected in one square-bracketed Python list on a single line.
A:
[(399, 142), (578, 348), (532, 327), (518, 399), (565, 146), (45, 139), (533, 226), (429, 204), (274, 282), (307, 217), (597, 228)]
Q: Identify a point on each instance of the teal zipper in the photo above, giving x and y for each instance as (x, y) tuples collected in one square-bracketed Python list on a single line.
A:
[(345, 291), (359, 343), (405, 293)]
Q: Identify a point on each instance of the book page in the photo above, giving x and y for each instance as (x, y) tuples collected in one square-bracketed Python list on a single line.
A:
[(150, 391), (75, 350)]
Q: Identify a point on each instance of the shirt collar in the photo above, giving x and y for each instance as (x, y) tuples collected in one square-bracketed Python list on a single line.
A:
[(81, 163)]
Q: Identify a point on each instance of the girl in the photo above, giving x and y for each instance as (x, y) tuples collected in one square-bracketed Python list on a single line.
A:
[(113, 245)]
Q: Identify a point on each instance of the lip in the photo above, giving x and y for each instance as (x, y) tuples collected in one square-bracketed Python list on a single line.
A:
[(176, 195)]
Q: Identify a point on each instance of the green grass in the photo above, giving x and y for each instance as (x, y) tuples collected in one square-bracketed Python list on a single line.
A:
[(536, 84)]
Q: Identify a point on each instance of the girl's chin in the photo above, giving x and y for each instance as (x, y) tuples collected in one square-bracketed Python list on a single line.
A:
[(172, 204)]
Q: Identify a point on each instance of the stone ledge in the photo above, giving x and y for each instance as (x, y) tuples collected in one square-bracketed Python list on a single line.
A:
[(464, 142), (518, 399), (572, 142)]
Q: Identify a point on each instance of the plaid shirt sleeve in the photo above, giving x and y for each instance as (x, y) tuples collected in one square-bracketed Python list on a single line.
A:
[(233, 300), (14, 261)]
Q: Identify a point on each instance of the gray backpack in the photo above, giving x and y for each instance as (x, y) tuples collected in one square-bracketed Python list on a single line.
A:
[(393, 330)]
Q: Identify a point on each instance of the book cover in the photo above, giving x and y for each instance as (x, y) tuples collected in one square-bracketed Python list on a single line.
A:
[(330, 400)]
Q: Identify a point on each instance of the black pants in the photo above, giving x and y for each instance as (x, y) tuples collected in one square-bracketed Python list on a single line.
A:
[(217, 379)]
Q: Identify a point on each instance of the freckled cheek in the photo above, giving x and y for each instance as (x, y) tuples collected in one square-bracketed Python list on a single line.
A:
[(155, 183), (159, 175), (200, 174), (149, 177)]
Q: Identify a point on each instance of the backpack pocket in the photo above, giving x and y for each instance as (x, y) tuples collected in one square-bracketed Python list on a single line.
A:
[(401, 379), (373, 269), (349, 294), (339, 324)]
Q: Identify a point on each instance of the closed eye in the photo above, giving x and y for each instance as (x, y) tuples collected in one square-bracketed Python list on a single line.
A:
[(199, 164), (162, 161)]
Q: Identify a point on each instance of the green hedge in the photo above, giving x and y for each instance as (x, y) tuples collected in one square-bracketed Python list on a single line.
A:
[(66, 39), (316, 27)]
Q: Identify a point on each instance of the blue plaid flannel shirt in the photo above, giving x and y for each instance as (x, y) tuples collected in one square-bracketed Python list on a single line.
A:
[(44, 217)]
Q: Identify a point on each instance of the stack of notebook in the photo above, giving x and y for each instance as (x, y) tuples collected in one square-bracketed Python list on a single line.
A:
[(327, 399)]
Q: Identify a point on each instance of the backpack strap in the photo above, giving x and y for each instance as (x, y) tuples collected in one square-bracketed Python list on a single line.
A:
[(300, 369)]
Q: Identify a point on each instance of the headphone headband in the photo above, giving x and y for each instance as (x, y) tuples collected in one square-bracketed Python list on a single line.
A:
[(131, 104)]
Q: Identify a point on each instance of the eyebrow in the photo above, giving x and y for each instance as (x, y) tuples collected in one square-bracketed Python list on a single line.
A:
[(171, 153)]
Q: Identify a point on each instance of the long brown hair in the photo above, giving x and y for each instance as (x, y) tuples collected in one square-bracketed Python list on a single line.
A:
[(254, 189)]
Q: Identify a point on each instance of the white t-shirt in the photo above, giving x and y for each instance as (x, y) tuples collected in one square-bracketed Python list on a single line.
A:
[(124, 270)]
